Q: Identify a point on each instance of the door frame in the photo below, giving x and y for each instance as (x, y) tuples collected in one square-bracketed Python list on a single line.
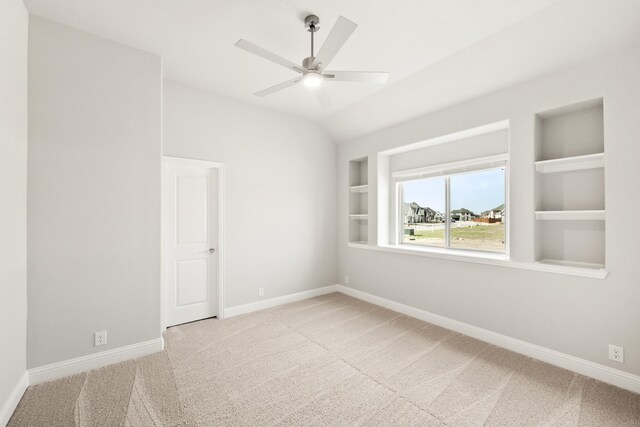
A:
[(219, 250)]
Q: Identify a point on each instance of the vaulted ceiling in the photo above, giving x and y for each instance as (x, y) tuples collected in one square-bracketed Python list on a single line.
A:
[(439, 52)]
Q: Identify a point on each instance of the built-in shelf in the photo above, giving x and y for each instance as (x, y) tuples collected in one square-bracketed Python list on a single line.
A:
[(359, 188), (591, 215), (572, 264), (359, 201), (570, 189), (359, 217), (566, 164)]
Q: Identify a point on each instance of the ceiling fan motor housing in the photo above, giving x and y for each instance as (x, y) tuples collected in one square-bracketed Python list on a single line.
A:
[(306, 62), (312, 23)]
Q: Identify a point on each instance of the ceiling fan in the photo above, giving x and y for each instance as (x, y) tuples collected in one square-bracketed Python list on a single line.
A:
[(313, 71)]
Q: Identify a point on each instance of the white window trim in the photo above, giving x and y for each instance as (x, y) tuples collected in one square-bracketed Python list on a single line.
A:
[(451, 168), (446, 170)]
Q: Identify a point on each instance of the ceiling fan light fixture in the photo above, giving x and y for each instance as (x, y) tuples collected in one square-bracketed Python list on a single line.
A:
[(312, 79)]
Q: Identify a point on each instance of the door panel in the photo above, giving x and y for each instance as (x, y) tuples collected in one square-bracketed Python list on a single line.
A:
[(192, 281), (192, 209), (190, 223)]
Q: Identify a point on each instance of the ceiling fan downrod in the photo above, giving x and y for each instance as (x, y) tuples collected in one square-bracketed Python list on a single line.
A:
[(312, 24)]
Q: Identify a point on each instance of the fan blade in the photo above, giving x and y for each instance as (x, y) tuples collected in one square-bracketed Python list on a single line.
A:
[(270, 56), (276, 88), (337, 37), (323, 98), (356, 76)]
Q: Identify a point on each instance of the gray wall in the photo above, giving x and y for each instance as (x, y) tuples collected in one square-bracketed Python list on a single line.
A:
[(13, 187), (280, 190), (94, 193), (574, 315)]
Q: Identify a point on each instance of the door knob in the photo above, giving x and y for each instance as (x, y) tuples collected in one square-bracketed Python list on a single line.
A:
[(212, 250)]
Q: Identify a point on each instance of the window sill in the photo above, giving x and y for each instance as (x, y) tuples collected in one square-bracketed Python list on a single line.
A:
[(448, 253), (486, 258)]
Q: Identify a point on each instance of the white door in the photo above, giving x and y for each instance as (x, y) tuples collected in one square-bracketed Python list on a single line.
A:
[(190, 251)]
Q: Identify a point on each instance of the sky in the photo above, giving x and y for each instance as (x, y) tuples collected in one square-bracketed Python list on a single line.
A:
[(476, 191)]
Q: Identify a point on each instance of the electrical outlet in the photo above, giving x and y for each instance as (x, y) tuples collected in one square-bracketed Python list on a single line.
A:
[(346, 280), (100, 338), (260, 292), (616, 353)]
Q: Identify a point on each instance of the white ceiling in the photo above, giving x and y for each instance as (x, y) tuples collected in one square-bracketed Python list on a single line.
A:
[(429, 46), (564, 35)]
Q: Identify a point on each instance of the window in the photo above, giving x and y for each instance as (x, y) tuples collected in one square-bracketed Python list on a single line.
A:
[(456, 206)]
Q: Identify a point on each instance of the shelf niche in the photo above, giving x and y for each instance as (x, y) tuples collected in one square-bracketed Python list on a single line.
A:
[(570, 191), (572, 131), (572, 243), (358, 201)]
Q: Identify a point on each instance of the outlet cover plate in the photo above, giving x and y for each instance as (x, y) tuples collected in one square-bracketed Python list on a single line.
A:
[(100, 338), (616, 353)]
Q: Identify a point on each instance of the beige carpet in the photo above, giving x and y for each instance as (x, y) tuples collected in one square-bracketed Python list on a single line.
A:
[(331, 360)]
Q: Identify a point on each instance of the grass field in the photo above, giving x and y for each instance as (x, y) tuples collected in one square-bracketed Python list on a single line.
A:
[(488, 237)]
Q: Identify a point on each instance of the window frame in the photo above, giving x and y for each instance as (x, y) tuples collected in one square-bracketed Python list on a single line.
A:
[(446, 171)]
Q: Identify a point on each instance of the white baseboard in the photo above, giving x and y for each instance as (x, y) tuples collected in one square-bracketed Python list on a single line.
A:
[(273, 302), (600, 372), (13, 399), (93, 361)]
